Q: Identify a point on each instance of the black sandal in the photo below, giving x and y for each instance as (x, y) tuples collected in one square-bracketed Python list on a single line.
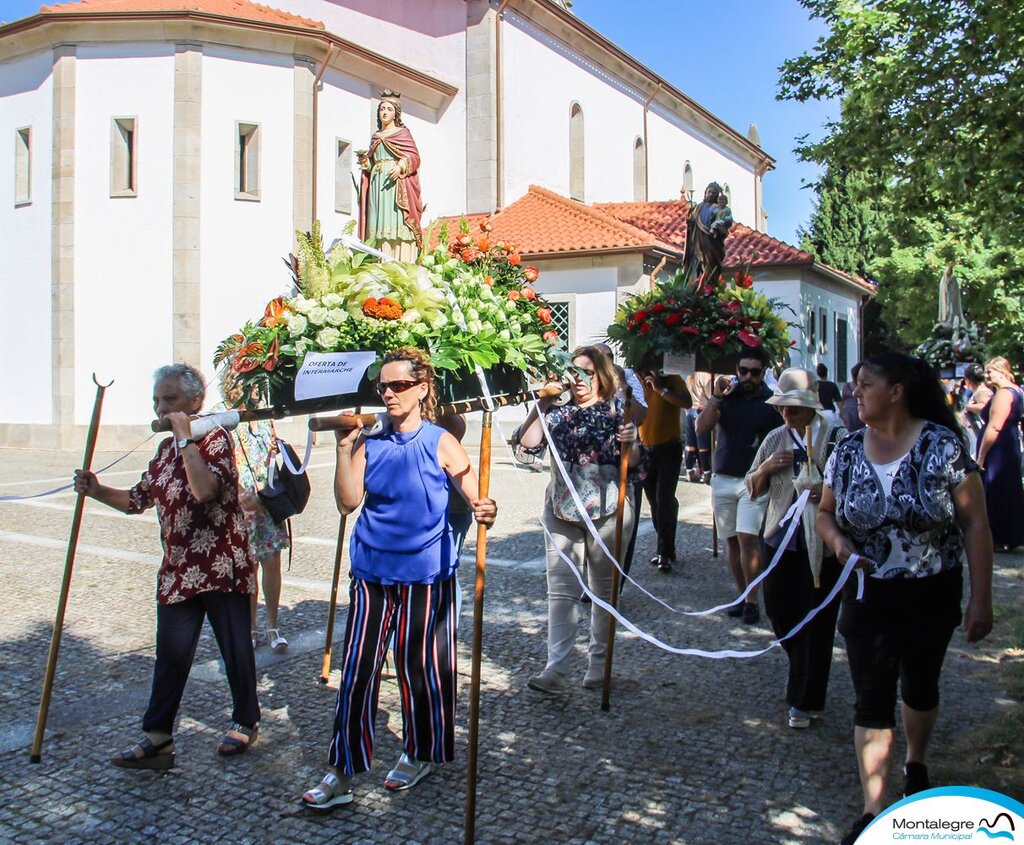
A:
[(145, 755), (237, 739)]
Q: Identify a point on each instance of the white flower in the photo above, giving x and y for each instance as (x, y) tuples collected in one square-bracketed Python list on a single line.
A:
[(411, 315), (303, 305), (328, 338), (474, 326), (486, 293), (510, 307), (420, 327), (296, 325), (318, 315), (403, 336), (472, 314), (337, 316), (332, 300), (302, 346), (505, 334), (438, 320), (488, 327)]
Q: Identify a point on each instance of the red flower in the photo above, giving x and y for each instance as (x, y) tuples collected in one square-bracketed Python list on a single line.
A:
[(672, 302), (528, 293), (530, 273), (485, 226), (646, 327), (792, 343), (755, 324), (658, 307), (629, 323), (733, 305), (544, 315), (718, 337), (469, 254), (515, 259), (689, 330), (732, 321), (673, 320), (749, 338), (640, 316), (744, 281), (708, 290), (514, 295), (551, 336)]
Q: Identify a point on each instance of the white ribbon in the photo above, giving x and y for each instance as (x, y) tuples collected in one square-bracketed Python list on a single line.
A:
[(201, 426), (697, 652), (287, 461)]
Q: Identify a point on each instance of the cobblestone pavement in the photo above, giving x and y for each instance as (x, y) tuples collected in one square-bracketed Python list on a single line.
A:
[(692, 751)]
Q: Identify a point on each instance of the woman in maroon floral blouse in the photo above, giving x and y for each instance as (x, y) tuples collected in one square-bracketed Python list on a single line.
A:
[(207, 570)]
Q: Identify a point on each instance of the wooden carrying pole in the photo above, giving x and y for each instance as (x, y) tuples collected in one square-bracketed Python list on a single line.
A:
[(620, 515), (36, 755), (478, 632)]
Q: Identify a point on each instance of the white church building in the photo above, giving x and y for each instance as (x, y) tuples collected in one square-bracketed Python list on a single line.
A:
[(159, 155)]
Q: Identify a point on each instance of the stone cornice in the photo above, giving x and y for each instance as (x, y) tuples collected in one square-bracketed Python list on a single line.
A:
[(45, 31)]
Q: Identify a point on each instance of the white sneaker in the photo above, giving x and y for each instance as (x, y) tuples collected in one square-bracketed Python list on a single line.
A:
[(548, 682), (799, 718), (278, 643)]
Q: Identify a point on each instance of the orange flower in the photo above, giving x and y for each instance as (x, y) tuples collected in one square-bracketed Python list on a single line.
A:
[(515, 259), (528, 293), (275, 308), (247, 357), (382, 309), (469, 254), (544, 315), (551, 337), (488, 281), (483, 245), (514, 295), (530, 273)]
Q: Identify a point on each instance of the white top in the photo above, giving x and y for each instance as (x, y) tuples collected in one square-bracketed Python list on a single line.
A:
[(887, 472)]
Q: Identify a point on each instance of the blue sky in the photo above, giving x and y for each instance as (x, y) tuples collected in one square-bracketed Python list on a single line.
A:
[(725, 55)]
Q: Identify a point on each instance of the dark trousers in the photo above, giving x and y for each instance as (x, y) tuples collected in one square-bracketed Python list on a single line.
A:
[(660, 487), (789, 595), (422, 619), (177, 633), (637, 498), (698, 446)]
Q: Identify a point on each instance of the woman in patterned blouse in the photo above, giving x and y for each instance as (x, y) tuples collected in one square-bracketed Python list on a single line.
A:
[(905, 495), (588, 434), (207, 568)]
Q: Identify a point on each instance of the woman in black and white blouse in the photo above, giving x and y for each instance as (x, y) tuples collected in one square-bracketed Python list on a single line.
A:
[(905, 495)]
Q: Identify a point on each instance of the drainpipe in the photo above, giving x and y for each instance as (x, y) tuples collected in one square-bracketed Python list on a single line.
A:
[(499, 106), (759, 172), (647, 178), (316, 103)]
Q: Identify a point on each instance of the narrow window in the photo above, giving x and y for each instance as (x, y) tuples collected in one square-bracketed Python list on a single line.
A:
[(124, 139), (688, 182), (23, 166), (811, 325), (639, 171), (576, 180), (247, 161), (343, 177), (823, 340)]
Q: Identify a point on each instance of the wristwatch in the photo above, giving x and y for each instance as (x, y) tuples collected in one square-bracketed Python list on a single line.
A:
[(184, 441)]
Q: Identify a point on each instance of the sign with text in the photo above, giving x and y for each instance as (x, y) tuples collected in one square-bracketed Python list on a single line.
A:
[(331, 373), (679, 365)]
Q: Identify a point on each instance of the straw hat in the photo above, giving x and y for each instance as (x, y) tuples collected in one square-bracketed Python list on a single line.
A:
[(797, 388)]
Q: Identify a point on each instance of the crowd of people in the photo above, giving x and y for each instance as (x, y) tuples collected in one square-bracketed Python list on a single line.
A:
[(888, 470)]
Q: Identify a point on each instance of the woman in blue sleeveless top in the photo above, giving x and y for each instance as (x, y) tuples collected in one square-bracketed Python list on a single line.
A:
[(404, 554)]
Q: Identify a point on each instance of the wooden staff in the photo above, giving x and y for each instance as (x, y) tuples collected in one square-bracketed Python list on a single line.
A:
[(478, 632), (620, 515), (36, 755), (714, 522)]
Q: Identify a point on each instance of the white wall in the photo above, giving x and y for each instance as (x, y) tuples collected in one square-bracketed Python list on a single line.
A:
[(26, 99), (543, 78), (122, 244), (243, 242), (345, 111)]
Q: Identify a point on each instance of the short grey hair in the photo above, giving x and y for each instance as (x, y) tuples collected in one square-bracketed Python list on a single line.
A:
[(192, 381)]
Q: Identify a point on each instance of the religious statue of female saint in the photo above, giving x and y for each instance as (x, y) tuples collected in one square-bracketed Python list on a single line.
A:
[(390, 206)]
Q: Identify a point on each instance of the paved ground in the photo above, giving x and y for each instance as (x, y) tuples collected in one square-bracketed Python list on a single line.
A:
[(693, 751)]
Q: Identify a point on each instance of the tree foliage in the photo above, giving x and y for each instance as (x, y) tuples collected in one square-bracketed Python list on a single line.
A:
[(932, 101)]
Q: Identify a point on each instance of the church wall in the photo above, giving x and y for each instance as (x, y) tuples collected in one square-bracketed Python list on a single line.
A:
[(26, 100), (347, 113), (243, 241), (122, 245)]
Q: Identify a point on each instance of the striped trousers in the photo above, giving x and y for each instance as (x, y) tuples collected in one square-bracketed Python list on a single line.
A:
[(422, 619)]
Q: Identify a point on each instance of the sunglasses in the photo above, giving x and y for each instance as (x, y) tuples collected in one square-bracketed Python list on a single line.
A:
[(750, 371), (396, 386)]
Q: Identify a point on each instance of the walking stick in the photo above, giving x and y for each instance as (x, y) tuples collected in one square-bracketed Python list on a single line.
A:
[(620, 515), (714, 522), (325, 667), (478, 631), (36, 755)]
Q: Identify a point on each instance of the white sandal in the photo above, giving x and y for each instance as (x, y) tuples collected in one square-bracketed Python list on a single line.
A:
[(407, 773), (330, 792), (278, 643)]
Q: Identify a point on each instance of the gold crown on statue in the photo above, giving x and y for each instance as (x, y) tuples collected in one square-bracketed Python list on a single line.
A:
[(388, 94)]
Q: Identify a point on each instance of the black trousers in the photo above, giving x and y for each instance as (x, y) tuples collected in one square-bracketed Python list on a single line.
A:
[(660, 487), (177, 634), (637, 498), (789, 595)]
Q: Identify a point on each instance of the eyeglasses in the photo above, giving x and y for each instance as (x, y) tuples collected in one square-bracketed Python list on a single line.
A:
[(396, 386), (750, 371)]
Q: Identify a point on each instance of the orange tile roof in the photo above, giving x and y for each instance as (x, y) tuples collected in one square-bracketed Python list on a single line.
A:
[(242, 9)]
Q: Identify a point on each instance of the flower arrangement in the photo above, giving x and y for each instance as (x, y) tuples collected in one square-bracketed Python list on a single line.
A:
[(468, 303), (684, 316)]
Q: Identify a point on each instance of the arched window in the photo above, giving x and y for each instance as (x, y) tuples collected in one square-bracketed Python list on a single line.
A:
[(576, 191), (639, 171), (688, 182)]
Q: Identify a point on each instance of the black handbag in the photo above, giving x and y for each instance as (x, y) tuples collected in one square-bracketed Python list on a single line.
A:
[(289, 493)]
